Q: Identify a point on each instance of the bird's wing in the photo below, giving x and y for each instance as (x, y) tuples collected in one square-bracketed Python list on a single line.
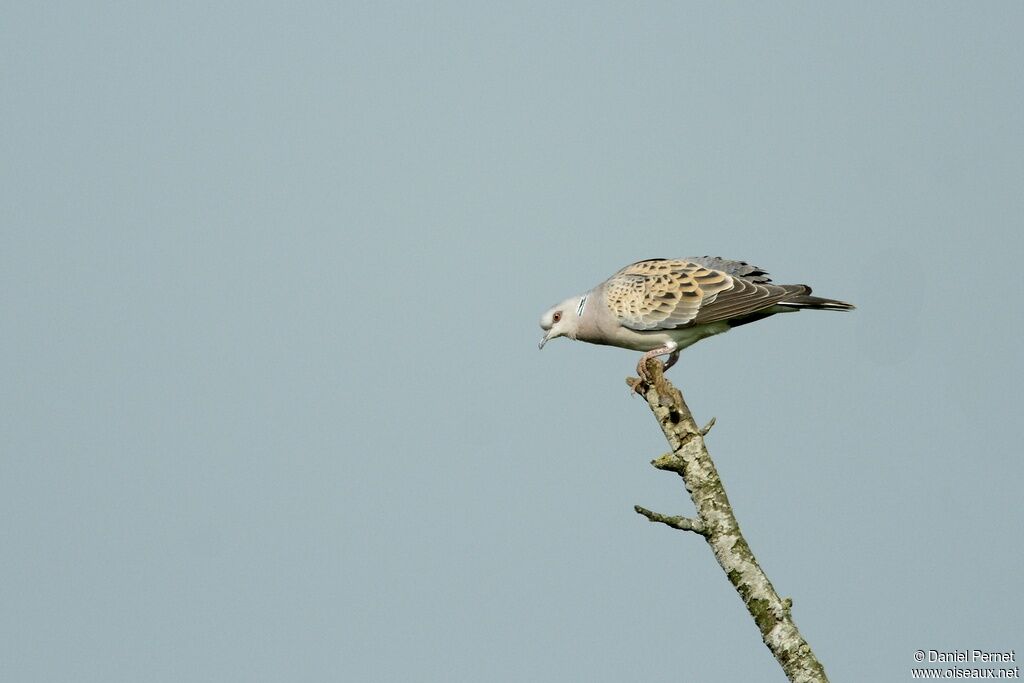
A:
[(739, 268), (664, 294)]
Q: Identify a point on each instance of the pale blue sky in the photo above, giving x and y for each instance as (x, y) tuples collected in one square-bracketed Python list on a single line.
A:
[(272, 407)]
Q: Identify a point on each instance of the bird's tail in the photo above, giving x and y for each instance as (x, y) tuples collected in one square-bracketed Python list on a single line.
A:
[(803, 299)]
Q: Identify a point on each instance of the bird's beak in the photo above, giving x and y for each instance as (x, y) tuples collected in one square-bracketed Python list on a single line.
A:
[(543, 341)]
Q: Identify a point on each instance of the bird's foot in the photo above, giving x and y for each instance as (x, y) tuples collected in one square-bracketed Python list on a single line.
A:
[(641, 383), (645, 380), (641, 368), (641, 371)]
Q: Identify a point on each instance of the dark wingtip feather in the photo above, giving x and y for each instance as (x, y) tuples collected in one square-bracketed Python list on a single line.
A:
[(817, 303)]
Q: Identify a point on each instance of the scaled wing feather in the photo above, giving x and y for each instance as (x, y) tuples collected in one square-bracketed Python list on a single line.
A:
[(662, 294)]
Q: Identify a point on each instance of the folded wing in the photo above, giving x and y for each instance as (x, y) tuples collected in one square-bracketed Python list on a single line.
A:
[(661, 294)]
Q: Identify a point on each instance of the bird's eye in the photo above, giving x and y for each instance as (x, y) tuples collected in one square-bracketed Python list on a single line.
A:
[(557, 316)]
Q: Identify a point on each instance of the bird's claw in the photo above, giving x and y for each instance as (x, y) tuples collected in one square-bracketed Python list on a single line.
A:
[(641, 383), (641, 369)]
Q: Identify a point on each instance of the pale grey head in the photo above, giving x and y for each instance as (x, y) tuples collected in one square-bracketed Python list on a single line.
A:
[(562, 320)]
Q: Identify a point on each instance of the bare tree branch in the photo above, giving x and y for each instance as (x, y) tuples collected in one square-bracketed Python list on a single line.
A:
[(677, 522), (716, 523), (707, 428)]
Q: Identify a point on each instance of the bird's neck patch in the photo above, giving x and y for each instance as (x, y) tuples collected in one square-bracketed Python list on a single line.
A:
[(583, 304)]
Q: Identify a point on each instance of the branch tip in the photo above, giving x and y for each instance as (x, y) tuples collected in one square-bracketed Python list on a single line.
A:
[(707, 428), (676, 522), (668, 461)]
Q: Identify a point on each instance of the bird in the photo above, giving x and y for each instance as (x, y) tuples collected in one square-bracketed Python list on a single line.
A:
[(661, 306)]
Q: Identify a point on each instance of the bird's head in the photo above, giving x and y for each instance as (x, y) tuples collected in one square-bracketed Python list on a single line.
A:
[(562, 320)]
